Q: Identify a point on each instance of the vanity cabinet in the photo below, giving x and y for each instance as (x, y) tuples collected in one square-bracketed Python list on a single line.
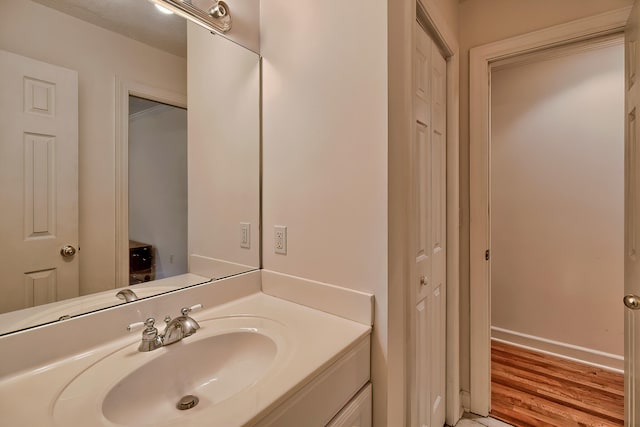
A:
[(328, 399), (357, 413)]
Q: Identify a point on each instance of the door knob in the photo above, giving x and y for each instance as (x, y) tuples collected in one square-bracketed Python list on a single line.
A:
[(632, 301), (67, 251)]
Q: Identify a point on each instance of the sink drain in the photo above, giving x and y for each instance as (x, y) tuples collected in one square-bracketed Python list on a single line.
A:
[(187, 402)]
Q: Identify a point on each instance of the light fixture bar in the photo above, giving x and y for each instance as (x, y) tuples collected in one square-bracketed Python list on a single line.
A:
[(217, 18)]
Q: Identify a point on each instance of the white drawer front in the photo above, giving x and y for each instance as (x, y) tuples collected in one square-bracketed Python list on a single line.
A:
[(357, 413)]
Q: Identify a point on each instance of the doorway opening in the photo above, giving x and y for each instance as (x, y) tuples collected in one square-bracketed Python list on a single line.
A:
[(556, 200), (480, 60), (157, 180)]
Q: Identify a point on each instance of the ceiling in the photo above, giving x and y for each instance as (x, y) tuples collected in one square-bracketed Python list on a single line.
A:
[(137, 19)]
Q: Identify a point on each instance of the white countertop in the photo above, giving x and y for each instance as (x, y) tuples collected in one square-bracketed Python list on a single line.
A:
[(314, 340)]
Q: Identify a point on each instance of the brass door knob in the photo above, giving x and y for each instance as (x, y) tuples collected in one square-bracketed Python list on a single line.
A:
[(632, 301), (67, 251)]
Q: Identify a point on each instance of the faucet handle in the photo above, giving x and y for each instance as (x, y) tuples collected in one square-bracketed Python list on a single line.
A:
[(151, 340), (187, 310), (137, 325)]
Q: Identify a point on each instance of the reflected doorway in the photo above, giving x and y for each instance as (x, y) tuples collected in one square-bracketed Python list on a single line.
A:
[(157, 169)]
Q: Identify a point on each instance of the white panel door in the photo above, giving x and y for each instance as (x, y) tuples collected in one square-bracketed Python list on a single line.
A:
[(39, 181), (429, 205), (422, 159), (438, 202), (632, 223)]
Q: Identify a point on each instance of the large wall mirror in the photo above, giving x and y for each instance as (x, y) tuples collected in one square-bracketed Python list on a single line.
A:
[(129, 155)]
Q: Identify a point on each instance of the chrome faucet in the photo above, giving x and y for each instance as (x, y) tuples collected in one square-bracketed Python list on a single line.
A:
[(174, 331), (127, 295)]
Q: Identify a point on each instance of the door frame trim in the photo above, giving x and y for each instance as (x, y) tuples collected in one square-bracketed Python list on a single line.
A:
[(480, 59), (124, 88)]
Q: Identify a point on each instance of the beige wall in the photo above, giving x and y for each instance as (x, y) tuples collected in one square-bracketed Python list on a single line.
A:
[(557, 145), (448, 11), (245, 23), (99, 56), (224, 148), (482, 22), (325, 150)]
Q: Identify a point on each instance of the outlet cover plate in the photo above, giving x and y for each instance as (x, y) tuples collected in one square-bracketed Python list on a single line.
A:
[(280, 239), (245, 235)]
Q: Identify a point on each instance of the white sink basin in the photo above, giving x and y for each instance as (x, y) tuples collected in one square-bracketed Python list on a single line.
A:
[(224, 358), (212, 369)]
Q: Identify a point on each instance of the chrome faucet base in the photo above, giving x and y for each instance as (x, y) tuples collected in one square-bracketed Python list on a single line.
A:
[(150, 338), (174, 331)]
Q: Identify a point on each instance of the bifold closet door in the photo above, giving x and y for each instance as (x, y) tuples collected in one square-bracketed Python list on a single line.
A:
[(428, 165)]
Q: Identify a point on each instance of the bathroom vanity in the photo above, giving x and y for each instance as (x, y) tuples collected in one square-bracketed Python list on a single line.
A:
[(256, 360)]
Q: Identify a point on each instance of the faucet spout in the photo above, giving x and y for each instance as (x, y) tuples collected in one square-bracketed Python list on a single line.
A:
[(127, 295), (190, 324), (180, 327)]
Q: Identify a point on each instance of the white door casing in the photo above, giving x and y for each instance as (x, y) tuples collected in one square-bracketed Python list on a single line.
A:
[(39, 180), (631, 212), (428, 296), (479, 64)]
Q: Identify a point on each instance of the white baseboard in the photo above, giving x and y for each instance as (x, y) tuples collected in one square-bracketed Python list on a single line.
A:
[(465, 399), (343, 302), (600, 359)]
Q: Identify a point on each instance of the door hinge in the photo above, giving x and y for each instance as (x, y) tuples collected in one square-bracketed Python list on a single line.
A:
[(486, 255)]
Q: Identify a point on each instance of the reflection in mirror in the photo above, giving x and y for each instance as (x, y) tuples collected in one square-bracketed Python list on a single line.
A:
[(100, 189), (157, 177)]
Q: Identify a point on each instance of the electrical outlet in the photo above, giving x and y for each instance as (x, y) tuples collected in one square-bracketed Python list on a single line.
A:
[(280, 239), (245, 235)]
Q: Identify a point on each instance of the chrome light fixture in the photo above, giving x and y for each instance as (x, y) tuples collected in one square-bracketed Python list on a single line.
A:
[(214, 15)]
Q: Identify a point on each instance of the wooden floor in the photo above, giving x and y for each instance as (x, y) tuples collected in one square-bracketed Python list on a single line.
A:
[(534, 389)]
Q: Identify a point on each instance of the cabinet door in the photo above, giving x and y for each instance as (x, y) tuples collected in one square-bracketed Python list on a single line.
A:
[(356, 413)]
